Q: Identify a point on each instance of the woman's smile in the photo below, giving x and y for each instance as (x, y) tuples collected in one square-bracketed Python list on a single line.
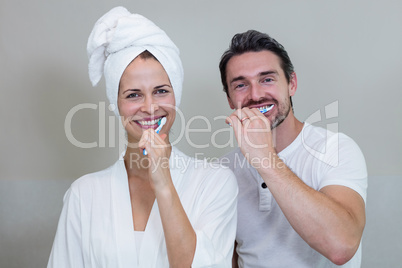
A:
[(149, 123)]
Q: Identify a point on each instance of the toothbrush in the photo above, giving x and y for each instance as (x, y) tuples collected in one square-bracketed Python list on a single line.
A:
[(266, 109), (263, 111), (157, 130)]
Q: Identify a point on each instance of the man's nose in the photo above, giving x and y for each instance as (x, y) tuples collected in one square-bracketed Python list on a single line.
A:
[(256, 92)]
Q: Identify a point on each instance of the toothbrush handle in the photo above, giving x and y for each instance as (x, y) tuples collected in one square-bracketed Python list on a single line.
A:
[(144, 152)]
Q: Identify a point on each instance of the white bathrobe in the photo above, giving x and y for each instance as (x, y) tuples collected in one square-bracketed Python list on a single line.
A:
[(96, 227)]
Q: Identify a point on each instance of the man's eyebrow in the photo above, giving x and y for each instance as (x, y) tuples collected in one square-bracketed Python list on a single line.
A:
[(237, 79), (268, 72)]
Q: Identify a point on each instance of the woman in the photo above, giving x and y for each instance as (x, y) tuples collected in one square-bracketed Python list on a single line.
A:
[(156, 210)]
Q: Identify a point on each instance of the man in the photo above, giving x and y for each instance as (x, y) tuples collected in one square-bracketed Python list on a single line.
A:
[(303, 190)]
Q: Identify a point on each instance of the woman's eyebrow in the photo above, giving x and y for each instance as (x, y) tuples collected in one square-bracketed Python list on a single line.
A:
[(131, 89), (164, 85)]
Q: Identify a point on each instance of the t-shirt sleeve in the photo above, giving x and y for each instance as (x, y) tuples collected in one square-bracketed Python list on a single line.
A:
[(67, 251), (345, 165), (216, 224)]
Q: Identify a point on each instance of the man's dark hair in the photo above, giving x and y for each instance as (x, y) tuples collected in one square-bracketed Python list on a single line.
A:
[(254, 41)]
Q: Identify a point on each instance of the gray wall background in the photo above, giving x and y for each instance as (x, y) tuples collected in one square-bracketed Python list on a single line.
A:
[(343, 51)]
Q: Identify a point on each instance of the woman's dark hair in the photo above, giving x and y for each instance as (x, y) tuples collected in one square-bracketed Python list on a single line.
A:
[(254, 41), (147, 55)]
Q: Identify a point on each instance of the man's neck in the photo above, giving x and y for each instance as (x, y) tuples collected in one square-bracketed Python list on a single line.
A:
[(286, 132)]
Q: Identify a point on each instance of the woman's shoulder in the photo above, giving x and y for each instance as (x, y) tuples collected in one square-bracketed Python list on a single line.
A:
[(92, 180)]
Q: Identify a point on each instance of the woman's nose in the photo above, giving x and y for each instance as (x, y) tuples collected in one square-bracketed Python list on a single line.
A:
[(149, 106)]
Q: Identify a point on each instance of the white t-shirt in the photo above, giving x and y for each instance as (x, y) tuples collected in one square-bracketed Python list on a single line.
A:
[(96, 224), (264, 236)]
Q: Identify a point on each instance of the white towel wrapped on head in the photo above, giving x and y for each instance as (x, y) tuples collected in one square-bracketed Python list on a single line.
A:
[(117, 38)]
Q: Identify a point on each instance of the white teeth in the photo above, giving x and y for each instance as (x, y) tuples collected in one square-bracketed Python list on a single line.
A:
[(148, 123), (266, 108)]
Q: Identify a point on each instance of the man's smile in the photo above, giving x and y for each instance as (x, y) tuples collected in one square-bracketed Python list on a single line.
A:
[(266, 108)]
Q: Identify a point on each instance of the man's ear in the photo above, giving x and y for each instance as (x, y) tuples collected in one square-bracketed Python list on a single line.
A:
[(292, 84), (230, 102)]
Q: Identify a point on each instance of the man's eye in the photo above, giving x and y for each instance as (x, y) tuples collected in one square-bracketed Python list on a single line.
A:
[(240, 86), (267, 80)]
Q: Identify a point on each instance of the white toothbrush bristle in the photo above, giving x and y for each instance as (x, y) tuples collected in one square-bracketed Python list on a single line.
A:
[(266, 108), (161, 123)]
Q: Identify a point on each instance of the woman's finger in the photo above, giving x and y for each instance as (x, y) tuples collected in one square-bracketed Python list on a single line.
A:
[(144, 139)]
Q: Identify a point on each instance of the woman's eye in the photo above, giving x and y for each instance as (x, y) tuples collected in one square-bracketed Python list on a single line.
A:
[(133, 95), (161, 91)]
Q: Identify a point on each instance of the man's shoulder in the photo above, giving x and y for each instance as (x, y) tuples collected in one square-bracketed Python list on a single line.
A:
[(318, 138), (318, 132)]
